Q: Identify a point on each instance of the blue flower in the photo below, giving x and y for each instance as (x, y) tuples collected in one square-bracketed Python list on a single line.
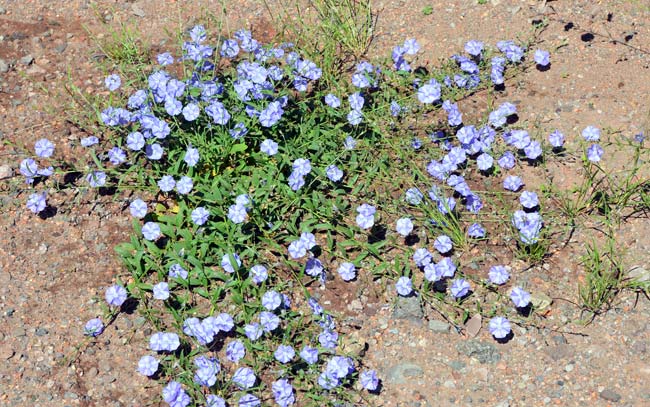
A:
[(151, 231), (116, 156), (184, 185), (165, 58), (237, 213), (284, 353), (36, 202), (135, 141), (175, 396), (249, 400), (166, 183), (259, 274), (422, 257), (269, 147), (253, 331), (229, 49), (200, 216), (507, 160), (217, 112), (113, 82), (115, 295), (44, 148), (148, 365), (161, 291), (177, 271), (591, 133), (404, 286), (595, 153), (542, 57), (153, 151), (283, 393), (459, 288), (227, 263), (484, 161), (89, 141), (443, 244), (191, 156), (476, 231), (429, 92), (235, 351), (411, 46), (271, 300), (191, 112), (512, 183), (334, 173), (138, 208), (94, 327), (556, 139), (328, 339), (404, 226), (347, 271), (474, 48), (499, 327), (309, 355), (529, 199), (332, 101), (369, 380), (498, 275), (96, 179)]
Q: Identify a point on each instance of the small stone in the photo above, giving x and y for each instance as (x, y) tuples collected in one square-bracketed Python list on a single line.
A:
[(18, 332), (70, 395), (568, 368), (540, 300), (5, 170), (42, 248), (6, 353), (439, 327), (41, 332), (27, 59), (10, 311), (449, 384), (610, 395), (408, 308), (137, 10), (639, 274), (4, 66), (484, 352), (504, 403), (559, 339), (61, 47), (398, 374)]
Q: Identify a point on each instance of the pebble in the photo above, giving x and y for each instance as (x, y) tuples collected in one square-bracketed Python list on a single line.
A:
[(401, 372), (70, 395), (6, 353), (61, 47), (27, 59), (439, 327), (18, 332), (41, 332), (484, 352), (137, 10), (610, 395), (5, 170), (568, 368), (408, 308), (4, 66)]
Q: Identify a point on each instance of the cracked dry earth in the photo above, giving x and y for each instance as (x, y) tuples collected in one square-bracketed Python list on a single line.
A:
[(52, 269)]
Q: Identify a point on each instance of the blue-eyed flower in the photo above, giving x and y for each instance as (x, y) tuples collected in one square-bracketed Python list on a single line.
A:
[(237, 213), (404, 226), (297, 249), (484, 161), (259, 274), (513, 52), (271, 115), (328, 382), (269, 147), (302, 166), (271, 300), (459, 288), (395, 109), (253, 331), (200, 215), (249, 400), (96, 179), (36, 202), (595, 153), (166, 183), (244, 378), (498, 274), (529, 225), (116, 156), (507, 160), (542, 57), (138, 208), (476, 231), (296, 181), (89, 141), (135, 141), (422, 257), (227, 262), (556, 139), (429, 92), (235, 351), (207, 370), (328, 339), (413, 196), (332, 101), (184, 185), (112, 82), (177, 271), (533, 150), (161, 291), (218, 112), (44, 148), (154, 151), (165, 58), (369, 380), (175, 396), (355, 117), (347, 271), (512, 183), (116, 295), (499, 327), (191, 156), (284, 353), (214, 401), (191, 112), (309, 355), (334, 173), (283, 393), (519, 297), (269, 321), (94, 327), (349, 143), (148, 365), (366, 216), (529, 200), (474, 48), (404, 286), (591, 133), (314, 267), (151, 231)]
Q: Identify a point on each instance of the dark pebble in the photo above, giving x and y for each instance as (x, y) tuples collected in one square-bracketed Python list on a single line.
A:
[(42, 332), (610, 395)]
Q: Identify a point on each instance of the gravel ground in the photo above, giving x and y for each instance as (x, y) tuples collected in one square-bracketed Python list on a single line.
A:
[(53, 268)]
